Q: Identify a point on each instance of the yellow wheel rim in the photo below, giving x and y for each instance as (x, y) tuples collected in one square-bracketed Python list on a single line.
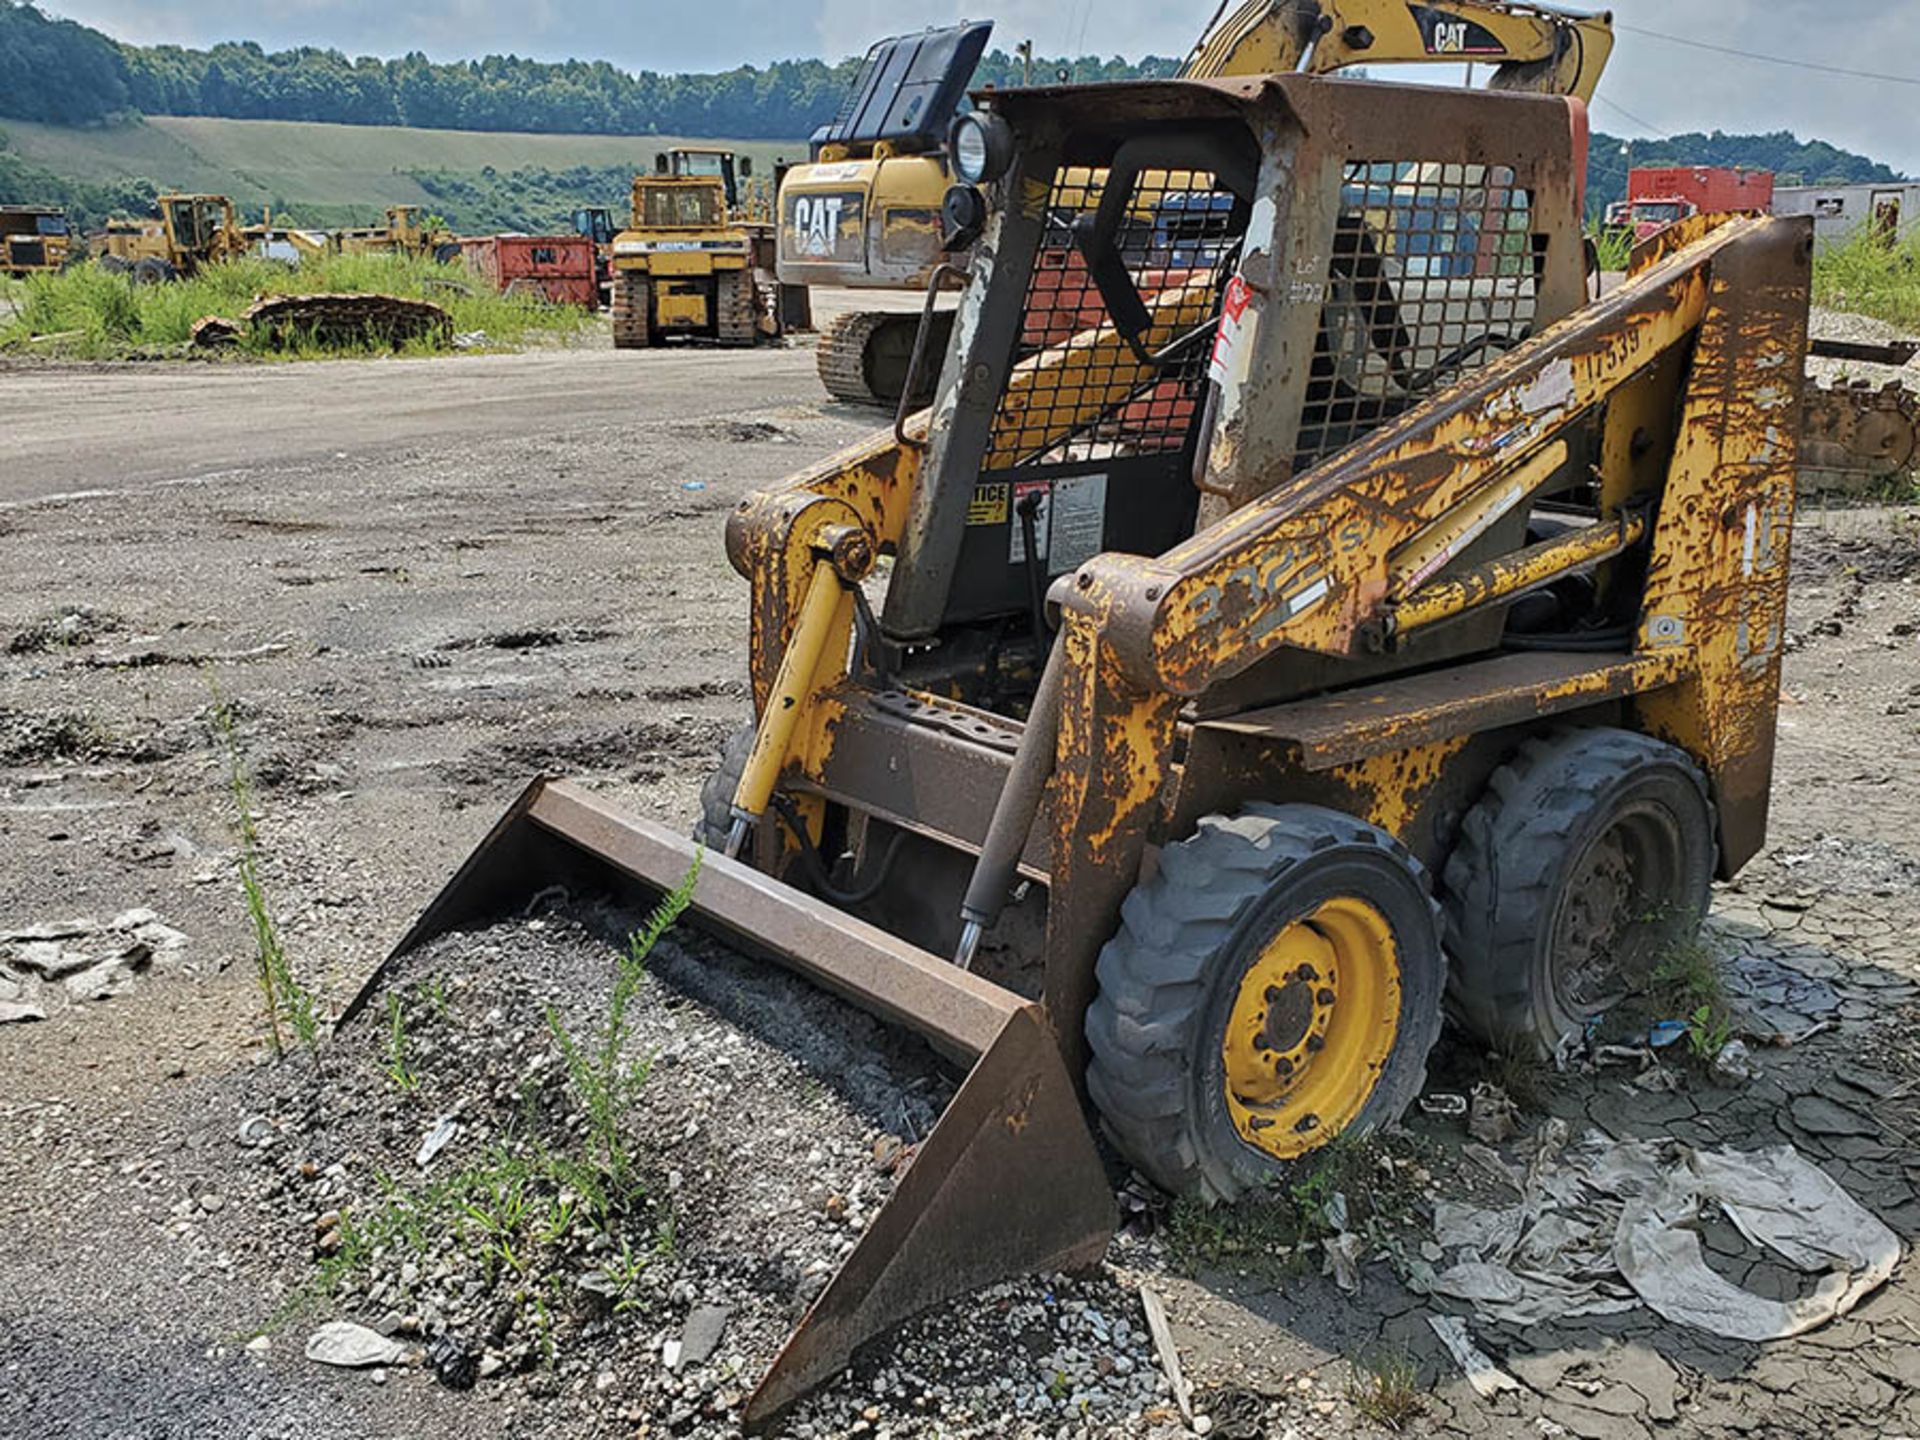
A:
[(1312, 1027)]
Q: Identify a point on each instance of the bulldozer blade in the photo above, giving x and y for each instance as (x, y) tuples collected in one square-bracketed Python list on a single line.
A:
[(1007, 1183)]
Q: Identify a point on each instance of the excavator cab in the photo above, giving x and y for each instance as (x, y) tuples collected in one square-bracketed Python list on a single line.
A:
[(1308, 614)]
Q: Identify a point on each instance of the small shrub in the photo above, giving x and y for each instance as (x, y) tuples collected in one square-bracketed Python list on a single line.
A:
[(1386, 1390)]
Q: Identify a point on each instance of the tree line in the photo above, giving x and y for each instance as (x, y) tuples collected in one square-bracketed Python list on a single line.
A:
[(65, 73)]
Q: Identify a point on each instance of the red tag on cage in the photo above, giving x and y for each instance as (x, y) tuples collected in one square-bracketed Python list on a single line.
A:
[(1233, 316)]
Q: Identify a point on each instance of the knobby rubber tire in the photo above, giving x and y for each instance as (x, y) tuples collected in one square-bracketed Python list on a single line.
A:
[(716, 795), (1168, 978), (1521, 845)]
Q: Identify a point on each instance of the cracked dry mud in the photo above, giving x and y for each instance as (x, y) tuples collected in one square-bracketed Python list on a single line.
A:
[(405, 635)]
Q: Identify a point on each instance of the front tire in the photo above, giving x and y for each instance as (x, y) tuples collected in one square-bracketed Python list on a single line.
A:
[(1589, 858), (1277, 983)]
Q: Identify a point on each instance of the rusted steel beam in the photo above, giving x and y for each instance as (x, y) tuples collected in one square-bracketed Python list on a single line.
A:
[(1354, 725), (1508, 576)]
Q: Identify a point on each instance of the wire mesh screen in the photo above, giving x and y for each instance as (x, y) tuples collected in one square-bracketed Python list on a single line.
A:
[(1078, 392), (1435, 271)]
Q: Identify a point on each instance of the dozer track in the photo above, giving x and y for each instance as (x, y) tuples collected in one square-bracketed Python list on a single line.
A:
[(631, 303), (344, 319), (738, 303), (864, 357)]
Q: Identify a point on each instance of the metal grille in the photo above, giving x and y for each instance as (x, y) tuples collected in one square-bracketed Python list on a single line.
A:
[(1078, 392), (1435, 271)]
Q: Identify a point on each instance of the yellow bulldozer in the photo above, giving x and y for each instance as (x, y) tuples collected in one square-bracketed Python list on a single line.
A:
[(865, 212), (1302, 614), (691, 264)]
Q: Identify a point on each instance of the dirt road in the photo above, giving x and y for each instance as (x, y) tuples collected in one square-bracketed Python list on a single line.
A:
[(417, 586), (90, 429)]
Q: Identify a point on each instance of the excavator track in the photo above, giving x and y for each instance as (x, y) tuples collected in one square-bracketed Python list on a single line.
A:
[(345, 319), (1858, 436), (863, 357)]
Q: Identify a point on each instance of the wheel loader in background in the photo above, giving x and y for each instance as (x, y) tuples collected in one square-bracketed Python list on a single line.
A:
[(1296, 629), (692, 264), (866, 211)]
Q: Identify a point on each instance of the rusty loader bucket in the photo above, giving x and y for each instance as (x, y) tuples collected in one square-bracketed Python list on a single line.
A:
[(1007, 1183)]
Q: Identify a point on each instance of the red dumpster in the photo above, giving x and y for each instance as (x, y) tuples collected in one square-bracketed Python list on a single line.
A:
[(558, 268)]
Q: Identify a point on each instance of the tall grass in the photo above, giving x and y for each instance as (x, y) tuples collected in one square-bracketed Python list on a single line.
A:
[(1614, 246), (1866, 276), (104, 313)]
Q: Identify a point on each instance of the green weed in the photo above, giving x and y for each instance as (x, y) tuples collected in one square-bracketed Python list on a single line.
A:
[(604, 1083), (399, 1070), (1385, 1390), (1614, 246), (1867, 276), (289, 1004)]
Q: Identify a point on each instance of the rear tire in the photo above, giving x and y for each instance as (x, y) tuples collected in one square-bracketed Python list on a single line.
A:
[(1220, 929), (115, 265), (154, 271), (1590, 856), (716, 795)]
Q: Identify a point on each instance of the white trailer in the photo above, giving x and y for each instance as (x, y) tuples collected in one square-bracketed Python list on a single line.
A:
[(1840, 211)]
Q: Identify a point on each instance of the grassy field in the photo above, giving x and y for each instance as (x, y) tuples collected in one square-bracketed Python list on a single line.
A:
[(329, 174), (95, 314)]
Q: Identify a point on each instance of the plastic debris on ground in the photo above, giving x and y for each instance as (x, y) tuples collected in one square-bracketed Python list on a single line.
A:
[(1609, 1226)]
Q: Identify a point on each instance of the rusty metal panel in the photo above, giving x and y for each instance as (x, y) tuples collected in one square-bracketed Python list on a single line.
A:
[(1008, 1183), (935, 769), (1717, 577), (1354, 725)]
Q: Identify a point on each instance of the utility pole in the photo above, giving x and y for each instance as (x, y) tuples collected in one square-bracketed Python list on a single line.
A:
[(1025, 51)]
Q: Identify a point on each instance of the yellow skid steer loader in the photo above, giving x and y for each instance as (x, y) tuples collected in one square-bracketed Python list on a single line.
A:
[(1304, 613)]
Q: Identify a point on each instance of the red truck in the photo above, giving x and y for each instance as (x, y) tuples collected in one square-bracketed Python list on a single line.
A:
[(558, 268), (1658, 196)]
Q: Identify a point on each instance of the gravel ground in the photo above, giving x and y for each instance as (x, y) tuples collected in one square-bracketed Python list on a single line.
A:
[(404, 636)]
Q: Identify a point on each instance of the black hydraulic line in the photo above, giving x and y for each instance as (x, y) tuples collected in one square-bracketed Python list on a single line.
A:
[(821, 872), (1014, 812)]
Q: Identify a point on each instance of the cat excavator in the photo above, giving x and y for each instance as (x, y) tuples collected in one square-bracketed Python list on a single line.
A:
[(865, 212)]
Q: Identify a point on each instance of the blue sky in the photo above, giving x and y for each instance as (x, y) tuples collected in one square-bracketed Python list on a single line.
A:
[(1653, 87)]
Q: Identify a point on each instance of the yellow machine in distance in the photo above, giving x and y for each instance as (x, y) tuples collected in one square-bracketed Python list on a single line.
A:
[(690, 264), (865, 212), (34, 239), (185, 233), (405, 232)]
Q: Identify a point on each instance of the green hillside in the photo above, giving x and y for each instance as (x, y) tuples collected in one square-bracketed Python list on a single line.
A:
[(339, 174)]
